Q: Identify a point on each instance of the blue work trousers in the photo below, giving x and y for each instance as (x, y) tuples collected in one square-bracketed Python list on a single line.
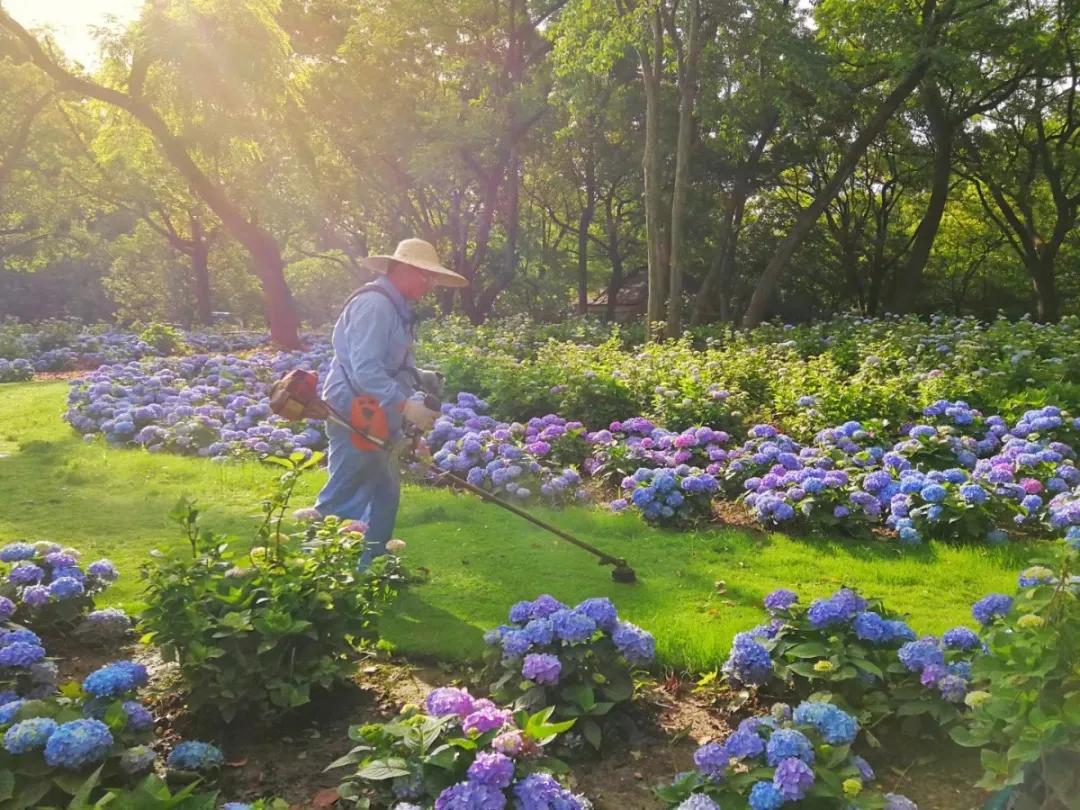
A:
[(363, 485)]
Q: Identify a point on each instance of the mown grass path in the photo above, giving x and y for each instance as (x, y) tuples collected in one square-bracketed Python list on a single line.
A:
[(111, 502)]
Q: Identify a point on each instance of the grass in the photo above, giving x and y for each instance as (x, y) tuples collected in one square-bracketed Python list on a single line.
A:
[(111, 502)]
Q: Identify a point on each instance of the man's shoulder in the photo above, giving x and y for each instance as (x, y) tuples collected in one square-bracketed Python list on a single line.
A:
[(369, 299)]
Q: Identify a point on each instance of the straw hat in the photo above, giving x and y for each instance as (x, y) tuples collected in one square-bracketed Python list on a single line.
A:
[(421, 255)]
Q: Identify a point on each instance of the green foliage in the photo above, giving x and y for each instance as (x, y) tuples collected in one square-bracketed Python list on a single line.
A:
[(1026, 705), (256, 628), (163, 338), (418, 755), (891, 368)]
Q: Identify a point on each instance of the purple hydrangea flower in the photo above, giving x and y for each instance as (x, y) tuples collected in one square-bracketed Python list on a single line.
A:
[(542, 668), (485, 717), (449, 700), (781, 599), (793, 778), (712, 760), (601, 611), (21, 655), (493, 769)]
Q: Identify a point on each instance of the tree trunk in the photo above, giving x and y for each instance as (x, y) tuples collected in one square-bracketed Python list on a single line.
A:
[(615, 257), (584, 223), (651, 66), (756, 310), (267, 262), (200, 271), (1047, 305), (684, 141), (909, 279)]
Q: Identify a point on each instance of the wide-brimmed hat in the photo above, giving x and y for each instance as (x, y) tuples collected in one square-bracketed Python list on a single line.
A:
[(421, 255)]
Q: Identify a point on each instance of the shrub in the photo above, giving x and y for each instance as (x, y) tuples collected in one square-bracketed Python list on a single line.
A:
[(163, 339), (84, 741), (254, 629), (49, 589), (18, 370), (580, 660), (1025, 707), (797, 759), (856, 653), (458, 752)]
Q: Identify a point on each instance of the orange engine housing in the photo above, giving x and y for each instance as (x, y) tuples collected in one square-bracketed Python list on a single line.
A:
[(367, 415)]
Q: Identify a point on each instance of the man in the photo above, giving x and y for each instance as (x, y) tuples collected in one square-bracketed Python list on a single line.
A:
[(373, 356)]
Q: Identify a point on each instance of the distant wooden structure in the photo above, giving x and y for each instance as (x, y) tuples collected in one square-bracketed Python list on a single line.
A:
[(630, 301)]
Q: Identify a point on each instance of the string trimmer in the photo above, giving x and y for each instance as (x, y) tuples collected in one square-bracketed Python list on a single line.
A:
[(296, 396)]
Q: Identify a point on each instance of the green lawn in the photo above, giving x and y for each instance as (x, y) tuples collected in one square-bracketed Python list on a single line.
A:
[(114, 502)]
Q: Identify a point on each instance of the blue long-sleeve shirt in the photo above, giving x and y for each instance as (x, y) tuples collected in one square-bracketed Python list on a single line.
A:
[(373, 340)]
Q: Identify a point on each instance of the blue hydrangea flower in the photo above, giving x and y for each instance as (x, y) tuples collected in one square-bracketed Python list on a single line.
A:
[(748, 662), (781, 599), (7, 608), (115, 679), (9, 709), (744, 745), (540, 791), (21, 654), (991, 607), (16, 552), (869, 626), (787, 743), (22, 634), (26, 573), (539, 631), (470, 796), (865, 771), (103, 570), (933, 493), (192, 755), (138, 716), (894, 801), (836, 727), (29, 735), (66, 588), (78, 743), (572, 627), (960, 638), (601, 611), (515, 643), (637, 646), (918, 655), (698, 801), (765, 796), (543, 606)]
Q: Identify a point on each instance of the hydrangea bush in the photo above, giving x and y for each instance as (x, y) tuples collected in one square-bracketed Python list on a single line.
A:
[(1025, 700), (47, 585), (578, 660), (255, 627), (800, 758), (855, 652), (88, 740), (457, 753)]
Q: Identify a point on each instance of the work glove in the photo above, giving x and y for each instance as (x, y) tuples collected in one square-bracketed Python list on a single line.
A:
[(430, 382), (417, 413)]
